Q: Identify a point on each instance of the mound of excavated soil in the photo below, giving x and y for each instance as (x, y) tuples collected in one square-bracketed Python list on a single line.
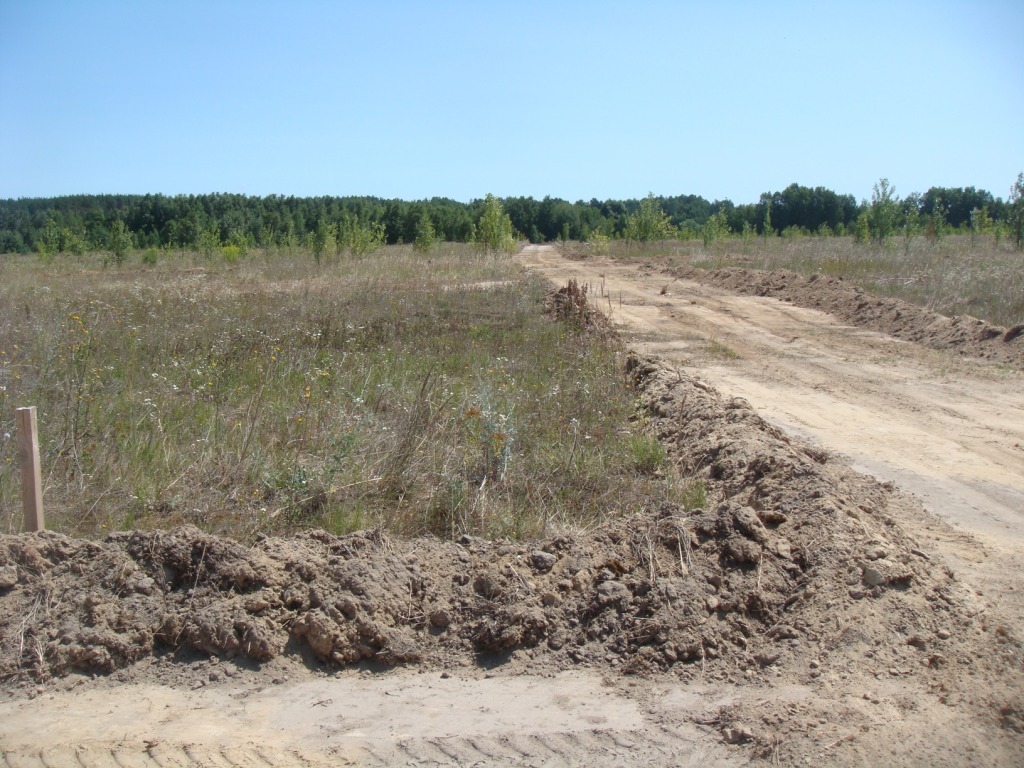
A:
[(796, 569), (962, 333)]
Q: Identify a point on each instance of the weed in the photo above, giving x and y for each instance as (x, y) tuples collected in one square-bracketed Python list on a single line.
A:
[(692, 494), (648, 453), (716, 348), (570, 304)]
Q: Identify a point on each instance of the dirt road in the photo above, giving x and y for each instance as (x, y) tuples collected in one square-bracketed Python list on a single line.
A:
[(945, 429), (402, 718)]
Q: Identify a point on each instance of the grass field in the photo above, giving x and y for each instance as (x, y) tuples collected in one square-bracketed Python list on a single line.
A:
[(266, 395), (952, 276)]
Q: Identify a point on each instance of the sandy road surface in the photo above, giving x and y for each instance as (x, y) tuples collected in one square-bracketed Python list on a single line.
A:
[(945, 429), (401, 718)]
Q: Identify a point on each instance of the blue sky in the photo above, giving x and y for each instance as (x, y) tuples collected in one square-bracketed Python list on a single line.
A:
[(457, 99)]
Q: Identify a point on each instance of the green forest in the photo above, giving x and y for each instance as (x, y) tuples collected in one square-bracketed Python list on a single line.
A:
[(80, 223)]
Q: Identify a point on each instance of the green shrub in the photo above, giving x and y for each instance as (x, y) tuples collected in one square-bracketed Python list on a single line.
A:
[(364, 239)]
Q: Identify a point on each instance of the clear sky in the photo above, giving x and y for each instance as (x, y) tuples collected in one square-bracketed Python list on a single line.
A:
[(457, 98)]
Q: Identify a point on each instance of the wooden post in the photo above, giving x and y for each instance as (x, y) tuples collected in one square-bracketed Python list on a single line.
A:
[(31, 476)]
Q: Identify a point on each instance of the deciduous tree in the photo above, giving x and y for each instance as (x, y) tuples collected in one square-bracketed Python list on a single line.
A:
[(1016, 211), (715, 228), (883, 212), (649, 223), (121, 241), (426, 237), (494, 227)]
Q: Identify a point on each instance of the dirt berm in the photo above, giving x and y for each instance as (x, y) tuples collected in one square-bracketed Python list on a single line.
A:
[(961, 333), (794, 570)]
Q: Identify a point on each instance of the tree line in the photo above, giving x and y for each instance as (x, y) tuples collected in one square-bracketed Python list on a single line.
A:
[(79, 223)]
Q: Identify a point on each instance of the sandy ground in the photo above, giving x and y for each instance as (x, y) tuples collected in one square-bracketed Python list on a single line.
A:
[(944, 429), (403, 718)]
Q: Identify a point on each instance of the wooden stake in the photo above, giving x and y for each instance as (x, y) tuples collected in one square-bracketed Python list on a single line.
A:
[(31, 476)]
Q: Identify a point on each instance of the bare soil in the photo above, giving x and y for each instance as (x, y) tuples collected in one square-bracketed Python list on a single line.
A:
[(964, 334), (807, 614)]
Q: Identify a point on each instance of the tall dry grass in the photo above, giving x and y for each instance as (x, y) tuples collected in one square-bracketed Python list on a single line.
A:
[(422, 394)]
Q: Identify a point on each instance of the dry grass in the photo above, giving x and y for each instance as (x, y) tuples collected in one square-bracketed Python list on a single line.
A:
[(422, 395), (956, 275)]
